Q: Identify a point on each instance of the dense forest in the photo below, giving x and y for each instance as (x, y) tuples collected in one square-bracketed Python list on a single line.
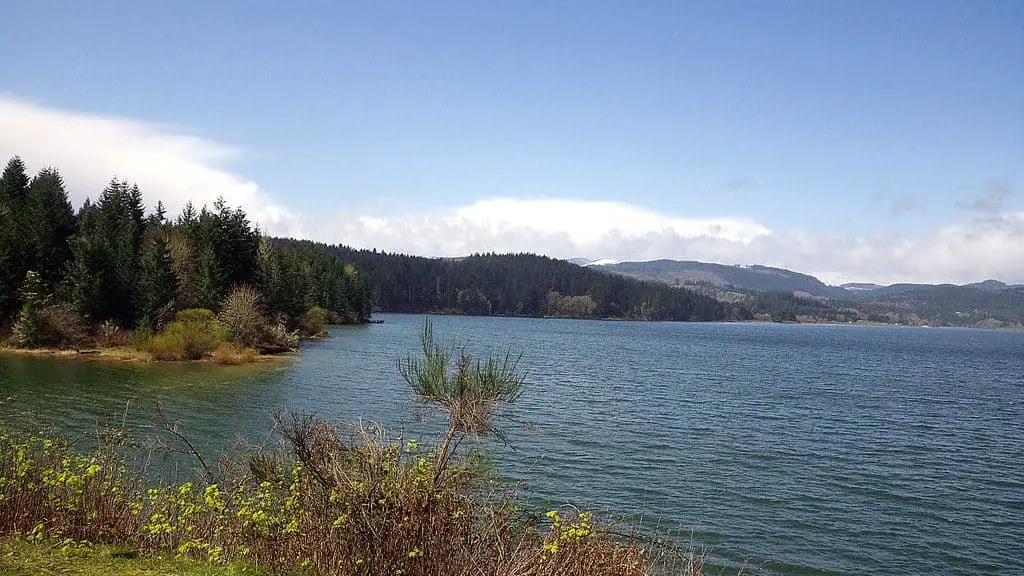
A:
[(518, 285), (111, 266)]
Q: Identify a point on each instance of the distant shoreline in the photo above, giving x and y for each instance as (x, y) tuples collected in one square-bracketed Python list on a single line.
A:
[(1016, 327)]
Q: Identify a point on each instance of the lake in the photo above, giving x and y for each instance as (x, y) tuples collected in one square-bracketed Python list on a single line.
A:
[(823, 449)]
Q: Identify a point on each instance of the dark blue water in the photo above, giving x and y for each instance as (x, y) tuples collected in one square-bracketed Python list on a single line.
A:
[(822, 449)]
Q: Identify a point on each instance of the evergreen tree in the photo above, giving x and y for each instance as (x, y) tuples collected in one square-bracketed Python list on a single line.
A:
[(53, 227), (106, 255), (157, 283), (185, 263), (16, 246)]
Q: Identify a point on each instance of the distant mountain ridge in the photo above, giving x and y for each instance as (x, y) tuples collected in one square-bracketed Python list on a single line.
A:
[(756, 277), (785, 295), (760, 278)]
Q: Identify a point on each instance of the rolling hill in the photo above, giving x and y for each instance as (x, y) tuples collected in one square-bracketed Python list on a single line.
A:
[(784, 294)]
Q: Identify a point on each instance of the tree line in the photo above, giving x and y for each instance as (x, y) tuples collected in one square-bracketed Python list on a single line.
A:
[(113, 263), (518, 285)]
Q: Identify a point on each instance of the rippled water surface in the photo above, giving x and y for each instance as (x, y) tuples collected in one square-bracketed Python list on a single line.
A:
[(824, 449)]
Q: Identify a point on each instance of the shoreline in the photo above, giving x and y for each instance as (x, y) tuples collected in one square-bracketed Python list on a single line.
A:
[(133, 355), (130, 355), (806, 322)]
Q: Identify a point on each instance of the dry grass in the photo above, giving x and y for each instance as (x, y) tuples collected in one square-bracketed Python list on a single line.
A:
[(120, 354), (233, 354), (131, 354)]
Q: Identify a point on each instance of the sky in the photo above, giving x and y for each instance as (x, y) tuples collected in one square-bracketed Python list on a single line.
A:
[(873, 141)]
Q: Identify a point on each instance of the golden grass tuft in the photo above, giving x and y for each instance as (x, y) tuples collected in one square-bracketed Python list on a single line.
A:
[(233, 354)]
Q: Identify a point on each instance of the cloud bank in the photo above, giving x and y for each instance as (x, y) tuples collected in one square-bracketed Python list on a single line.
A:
[(175, 167), (167, 165)]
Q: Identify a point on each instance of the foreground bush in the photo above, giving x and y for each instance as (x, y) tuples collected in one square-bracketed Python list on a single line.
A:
[(193, 335), (46, 487), (328, 499), (335, 501)]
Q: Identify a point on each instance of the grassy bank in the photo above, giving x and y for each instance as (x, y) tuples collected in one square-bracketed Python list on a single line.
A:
[(131, 354), (240, 334), (21, 558)]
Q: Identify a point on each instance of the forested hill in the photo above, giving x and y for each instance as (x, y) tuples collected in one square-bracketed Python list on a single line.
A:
[(518, 285), (757, 278)]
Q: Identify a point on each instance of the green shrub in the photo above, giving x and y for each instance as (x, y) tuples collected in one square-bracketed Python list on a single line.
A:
[(53, 326), (241, 314), (142, 336), (41, 324), (193, 334), (312, 323), (49, 488), (31, 330), (277, 337)]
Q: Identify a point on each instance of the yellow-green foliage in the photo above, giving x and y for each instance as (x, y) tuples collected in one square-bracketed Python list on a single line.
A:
[(571, 306), (193, 334), (335, 503), (313, 322), (47, 488)]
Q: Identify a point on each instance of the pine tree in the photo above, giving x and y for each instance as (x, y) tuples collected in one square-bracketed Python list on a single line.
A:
[(31, 329)]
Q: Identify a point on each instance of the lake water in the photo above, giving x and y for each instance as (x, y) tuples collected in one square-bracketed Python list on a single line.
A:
[(824, 449)]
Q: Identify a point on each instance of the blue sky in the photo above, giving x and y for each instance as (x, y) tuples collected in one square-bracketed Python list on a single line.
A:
[(824, 135)]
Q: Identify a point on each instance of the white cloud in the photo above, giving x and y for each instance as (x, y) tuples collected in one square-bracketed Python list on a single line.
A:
[(89, 150), (589, 222), (175, 167), (973, 249)]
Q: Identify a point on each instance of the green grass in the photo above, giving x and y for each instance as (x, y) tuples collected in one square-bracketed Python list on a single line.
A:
[(25, 559)]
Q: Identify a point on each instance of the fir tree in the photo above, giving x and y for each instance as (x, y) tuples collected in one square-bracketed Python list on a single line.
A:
[(16, 246), (54, 225)]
